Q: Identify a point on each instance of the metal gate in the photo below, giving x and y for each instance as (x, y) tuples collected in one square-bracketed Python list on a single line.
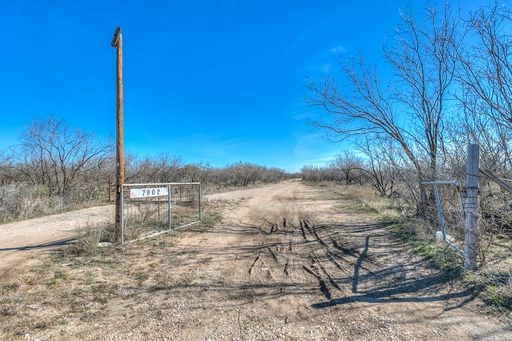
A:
[(151, 209)]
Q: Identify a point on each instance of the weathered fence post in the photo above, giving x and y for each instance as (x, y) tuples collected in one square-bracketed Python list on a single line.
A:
[(169, 206), (471, 207)]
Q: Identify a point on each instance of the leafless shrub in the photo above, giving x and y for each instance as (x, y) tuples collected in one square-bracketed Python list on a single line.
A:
[(21, 201), (375, 168), (55, 167), (163, 168), (54, 155)]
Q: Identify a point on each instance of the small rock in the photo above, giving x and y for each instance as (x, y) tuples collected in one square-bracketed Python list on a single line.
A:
[(104, 244)]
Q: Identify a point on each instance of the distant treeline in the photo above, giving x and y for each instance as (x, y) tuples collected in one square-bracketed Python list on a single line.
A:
[(55, 167)]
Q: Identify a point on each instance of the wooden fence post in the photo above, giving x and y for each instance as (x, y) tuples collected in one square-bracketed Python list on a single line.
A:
[(471, 207)]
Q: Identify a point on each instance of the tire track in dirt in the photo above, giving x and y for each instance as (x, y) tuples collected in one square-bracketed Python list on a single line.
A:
[(287, 263), (309, 270)]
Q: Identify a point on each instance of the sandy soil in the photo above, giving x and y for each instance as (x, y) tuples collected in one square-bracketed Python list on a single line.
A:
[(285, 263), (23, 241)]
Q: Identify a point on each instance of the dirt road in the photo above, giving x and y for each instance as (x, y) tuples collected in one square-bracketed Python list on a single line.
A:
[(288, 264), (288, 261), (24, 241)]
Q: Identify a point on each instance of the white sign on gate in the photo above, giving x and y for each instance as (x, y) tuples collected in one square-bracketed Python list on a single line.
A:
[(148, 192)]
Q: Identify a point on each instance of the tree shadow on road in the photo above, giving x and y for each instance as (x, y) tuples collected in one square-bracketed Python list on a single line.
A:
[(392, 273), (363, 259), (397, 294), (52, 244)]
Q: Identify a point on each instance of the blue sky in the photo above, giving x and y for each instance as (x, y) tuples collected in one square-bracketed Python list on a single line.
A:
[(213, 81)]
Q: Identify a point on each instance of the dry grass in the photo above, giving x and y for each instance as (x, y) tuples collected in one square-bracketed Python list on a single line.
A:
[(492, 282), (80, 283), (89, 237), (166, 281), (70, 288), (361, 199), (22, 201)]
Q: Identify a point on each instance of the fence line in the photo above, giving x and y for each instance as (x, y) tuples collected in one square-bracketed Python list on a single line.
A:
[(501, 182)]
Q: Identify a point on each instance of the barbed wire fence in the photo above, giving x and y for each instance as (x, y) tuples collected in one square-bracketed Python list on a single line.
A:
[(475, 217)]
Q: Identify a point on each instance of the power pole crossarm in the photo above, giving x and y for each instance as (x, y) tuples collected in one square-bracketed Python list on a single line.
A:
[(117, 42), (115, 38)]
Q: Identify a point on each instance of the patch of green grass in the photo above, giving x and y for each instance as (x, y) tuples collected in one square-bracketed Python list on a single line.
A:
[(40, 325), (441, 256), (497, 296), (141, 277), (493, 289)]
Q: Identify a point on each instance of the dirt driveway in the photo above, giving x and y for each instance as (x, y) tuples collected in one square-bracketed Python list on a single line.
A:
[(22, 242), (288, 264), (288, 261)]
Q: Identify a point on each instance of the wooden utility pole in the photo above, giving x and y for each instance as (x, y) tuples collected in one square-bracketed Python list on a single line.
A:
[(117, 42), (471, 207)]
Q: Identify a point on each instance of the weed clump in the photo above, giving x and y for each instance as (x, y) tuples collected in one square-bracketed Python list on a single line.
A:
[(498, 296), (90, 236)]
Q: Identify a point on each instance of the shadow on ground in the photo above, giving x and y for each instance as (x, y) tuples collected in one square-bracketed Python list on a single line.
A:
[(52, 244), (346, 263)]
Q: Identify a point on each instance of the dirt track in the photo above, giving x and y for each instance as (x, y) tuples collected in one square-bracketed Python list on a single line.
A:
[(24, 241), (335, 275), (287, 263)]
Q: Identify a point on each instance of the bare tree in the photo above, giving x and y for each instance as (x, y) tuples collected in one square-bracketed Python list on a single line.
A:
[(485, 77), (411, 108), (163, 168), (379, 168), (52, 154), (197, 172), (313, 173), (7, 173), (348, 166)]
